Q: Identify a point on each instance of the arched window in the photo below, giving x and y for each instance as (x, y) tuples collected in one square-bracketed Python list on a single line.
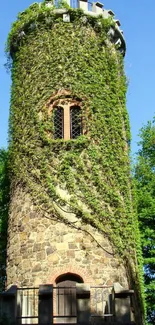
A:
[(58, 120), (68, 122), (75, 122)]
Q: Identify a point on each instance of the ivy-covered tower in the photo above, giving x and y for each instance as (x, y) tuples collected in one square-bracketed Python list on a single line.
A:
[(71, 213)]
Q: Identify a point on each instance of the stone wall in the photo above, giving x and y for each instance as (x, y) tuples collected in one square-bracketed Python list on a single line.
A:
[(41, 248)]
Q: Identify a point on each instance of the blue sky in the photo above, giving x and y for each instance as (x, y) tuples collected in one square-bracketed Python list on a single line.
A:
[(138, 23)]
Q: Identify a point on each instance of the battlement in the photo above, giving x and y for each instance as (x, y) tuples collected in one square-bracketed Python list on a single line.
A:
[(95, 9)]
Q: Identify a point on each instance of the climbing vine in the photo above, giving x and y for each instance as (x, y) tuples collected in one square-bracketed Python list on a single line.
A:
[(52, 57), (4, 206)]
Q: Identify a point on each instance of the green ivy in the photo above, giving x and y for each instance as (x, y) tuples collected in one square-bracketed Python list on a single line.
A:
[(49, 55), (4, 206)]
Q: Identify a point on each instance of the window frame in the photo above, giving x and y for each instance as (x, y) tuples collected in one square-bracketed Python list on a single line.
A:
[(73, 128), (58, 107), (66, 104)]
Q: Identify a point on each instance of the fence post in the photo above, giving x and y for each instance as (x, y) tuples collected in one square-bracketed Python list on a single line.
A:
[(46, 304), (9, 304), (122, 303), (83, 303)]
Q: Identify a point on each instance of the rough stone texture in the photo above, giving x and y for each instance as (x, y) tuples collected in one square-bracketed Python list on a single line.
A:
[(40, 249)]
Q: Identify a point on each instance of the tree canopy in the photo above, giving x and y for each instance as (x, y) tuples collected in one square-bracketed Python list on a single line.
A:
[(145, 181)]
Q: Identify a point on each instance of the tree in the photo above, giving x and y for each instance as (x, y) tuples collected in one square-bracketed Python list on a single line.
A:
[(4, 204), (145, 182)]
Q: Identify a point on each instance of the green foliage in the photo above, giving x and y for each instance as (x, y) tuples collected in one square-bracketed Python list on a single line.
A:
[(145, 179), (4, 203), (38, 14), (94, 169)]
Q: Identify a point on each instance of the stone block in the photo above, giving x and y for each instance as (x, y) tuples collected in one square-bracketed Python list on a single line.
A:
[(17, 260), (66, 18), (41, 256), (40, 237), (69, 237), (71, 253), (62, 246), (37, 247), (50, 250), (23, 236), (83, 4), (72, 246), (37, 268), (25, 219), (26, 265), (53, 258), (33, 236)]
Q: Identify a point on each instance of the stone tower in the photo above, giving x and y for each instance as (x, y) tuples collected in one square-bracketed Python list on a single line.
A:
[(71, 215)]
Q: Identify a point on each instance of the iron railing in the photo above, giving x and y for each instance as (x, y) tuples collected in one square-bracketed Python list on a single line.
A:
[(66, 304), (71, 304), (102, 302), (27, 305)]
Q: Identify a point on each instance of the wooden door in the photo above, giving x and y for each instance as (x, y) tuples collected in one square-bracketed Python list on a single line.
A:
[(66, 302)]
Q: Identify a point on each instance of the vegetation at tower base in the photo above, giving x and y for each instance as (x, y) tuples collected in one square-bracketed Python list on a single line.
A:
[(4, 205), (145, 181), (52, 58)]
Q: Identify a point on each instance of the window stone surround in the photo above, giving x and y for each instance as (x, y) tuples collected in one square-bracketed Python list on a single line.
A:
[(66, 103)]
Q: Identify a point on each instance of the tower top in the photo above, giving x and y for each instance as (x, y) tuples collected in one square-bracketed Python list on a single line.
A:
[(27, 20), (96, 9)]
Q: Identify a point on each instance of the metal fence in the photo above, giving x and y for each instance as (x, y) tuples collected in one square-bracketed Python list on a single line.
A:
[(27, 305), (101, 303), (64, 304), (71, 304)]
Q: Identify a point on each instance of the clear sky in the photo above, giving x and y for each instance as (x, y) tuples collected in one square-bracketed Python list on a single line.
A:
[(137, 19)]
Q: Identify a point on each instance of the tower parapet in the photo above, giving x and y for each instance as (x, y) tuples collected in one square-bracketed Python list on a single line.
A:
[(115, 34), (97, 8)]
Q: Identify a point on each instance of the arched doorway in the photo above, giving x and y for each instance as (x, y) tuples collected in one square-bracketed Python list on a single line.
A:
[(66, 299)]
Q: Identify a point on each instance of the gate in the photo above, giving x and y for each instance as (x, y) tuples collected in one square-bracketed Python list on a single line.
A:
[(65, 306)]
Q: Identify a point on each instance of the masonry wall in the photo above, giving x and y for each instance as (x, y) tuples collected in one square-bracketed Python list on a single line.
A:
[(41, 248)]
